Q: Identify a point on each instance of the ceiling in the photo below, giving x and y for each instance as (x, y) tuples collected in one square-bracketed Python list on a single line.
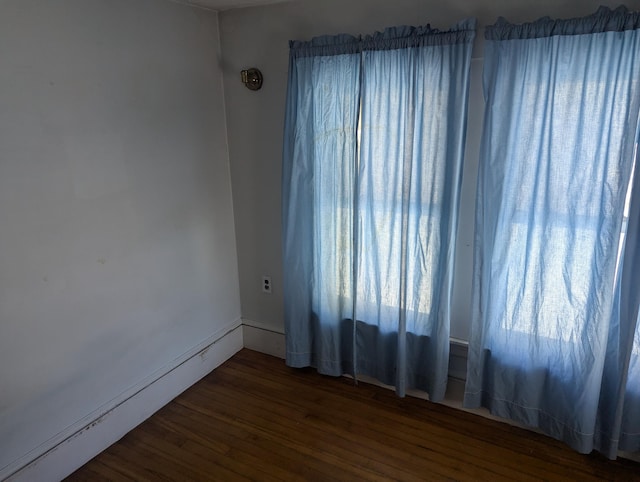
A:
[(228, 4)]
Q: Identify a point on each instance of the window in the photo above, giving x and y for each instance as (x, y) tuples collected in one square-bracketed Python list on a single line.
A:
[(549, 340), (371, 175)]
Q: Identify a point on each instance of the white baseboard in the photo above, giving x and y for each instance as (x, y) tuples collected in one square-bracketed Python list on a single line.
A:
[(93, 434), (263, 338), (70, 450)]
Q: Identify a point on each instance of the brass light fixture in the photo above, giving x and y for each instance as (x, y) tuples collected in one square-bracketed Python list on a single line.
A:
[(252, 78)]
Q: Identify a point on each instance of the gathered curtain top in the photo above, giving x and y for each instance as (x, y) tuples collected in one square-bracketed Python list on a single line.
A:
[(603, 20), (390, 39)]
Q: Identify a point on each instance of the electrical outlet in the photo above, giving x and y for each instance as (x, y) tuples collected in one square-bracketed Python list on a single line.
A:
[(266, 284)]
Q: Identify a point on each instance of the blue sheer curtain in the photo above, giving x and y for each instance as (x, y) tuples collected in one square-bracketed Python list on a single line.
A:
[(318, 193), (626, 431), (414, 104), (555, 288), (374, 139)]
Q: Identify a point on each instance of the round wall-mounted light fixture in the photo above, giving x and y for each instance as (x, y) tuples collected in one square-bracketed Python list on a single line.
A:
[(252, 78)]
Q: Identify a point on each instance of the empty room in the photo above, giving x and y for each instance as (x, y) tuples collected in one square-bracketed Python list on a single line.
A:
[(319, 240)]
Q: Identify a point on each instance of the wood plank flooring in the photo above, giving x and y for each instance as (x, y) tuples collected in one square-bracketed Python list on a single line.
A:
[(253, 418)]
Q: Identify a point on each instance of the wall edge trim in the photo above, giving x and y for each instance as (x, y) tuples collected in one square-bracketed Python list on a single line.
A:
[(68, 450)]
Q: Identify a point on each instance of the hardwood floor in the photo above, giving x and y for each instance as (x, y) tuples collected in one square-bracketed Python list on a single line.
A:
[(253, 418)]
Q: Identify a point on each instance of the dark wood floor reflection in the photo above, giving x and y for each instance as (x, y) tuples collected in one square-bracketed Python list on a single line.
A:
[(253, 418)]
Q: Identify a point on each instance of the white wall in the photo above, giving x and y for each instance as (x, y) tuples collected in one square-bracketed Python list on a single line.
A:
[(258, 37), (117, 246)]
